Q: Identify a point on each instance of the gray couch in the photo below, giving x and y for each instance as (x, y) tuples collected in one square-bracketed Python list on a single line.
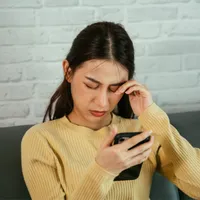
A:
[(12, 184)]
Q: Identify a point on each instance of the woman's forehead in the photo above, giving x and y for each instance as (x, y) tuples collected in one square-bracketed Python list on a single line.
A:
[(104, 70)]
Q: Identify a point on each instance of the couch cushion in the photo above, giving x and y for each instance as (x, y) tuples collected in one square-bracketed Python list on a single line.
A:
[(188, 125), (162, 189), (11, 182)]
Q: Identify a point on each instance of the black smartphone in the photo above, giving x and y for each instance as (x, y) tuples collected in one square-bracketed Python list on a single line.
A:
[(131, 173)]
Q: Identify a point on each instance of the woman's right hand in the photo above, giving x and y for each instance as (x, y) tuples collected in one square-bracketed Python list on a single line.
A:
[(117, 158)]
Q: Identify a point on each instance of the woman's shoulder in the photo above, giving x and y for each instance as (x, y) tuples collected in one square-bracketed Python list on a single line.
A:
[(42, 129)]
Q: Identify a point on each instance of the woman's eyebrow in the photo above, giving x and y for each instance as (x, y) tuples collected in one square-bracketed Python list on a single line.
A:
[(95, 81)]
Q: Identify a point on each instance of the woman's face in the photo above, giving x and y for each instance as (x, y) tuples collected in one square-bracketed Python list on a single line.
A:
[(93, 88)]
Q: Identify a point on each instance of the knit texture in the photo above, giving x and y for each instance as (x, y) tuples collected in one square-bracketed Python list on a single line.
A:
[(58, 160)]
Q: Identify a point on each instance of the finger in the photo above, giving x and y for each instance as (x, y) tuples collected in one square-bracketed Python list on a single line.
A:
[(135, 140), (141, 148), (138, 159), (126, 85), (136, 88)]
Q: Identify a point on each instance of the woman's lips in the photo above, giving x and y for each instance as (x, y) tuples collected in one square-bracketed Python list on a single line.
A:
[(97, 113)]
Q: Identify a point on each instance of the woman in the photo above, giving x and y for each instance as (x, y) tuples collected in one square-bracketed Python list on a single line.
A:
[(71, 156)]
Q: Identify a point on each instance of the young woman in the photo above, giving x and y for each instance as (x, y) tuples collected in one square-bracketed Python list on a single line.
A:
[(71, 156)]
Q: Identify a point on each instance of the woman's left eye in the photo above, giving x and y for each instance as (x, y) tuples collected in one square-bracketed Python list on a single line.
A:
[(114, 89)]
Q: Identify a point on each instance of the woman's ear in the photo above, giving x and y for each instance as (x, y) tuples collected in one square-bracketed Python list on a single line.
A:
[(67, 71)]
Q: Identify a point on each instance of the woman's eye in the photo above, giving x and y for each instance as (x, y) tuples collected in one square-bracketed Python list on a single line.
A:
[(114, 89), (111, 89), (91, 87)]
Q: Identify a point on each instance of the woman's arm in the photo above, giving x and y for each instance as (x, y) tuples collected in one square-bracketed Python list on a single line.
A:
[(178, 160), (44, 178)]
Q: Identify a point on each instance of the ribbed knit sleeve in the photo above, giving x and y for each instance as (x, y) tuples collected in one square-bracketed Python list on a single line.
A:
[(179, 161), (41, 174), (38, 168)]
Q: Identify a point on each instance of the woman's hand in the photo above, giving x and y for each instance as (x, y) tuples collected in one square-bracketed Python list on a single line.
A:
[(117, 158), (139, 96)]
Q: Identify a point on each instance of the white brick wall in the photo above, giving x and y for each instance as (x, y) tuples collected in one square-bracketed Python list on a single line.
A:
[(35, 36)]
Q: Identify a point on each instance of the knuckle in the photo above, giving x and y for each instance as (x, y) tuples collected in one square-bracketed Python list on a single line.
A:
[(144, 135), (140, 149), (125, 164), (116, 153), (139, 161), (116, 150), (145, 153)]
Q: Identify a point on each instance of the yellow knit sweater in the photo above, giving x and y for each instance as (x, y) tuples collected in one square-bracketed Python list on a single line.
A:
[(58, 160)]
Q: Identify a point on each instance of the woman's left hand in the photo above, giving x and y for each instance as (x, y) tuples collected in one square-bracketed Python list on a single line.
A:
[(139, 96)]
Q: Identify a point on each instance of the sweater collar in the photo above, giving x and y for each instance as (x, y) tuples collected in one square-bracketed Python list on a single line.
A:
[(115, 120)]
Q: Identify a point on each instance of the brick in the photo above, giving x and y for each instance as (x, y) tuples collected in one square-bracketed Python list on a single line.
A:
[(190, 12), (139, 48), (139, 77), (167, 28), (17, 18), (16, 92), (40, 108), (64, 35), (158, 64), (14, 54), (180, 96), (186, 28), (44, 72), (23, 36), (151, 13), (162, 1), (50, 53), (5, 123), (53, 3), (111, 14), (20, 4), (12, 72), (169, 47), (106, 2), (172, 80), (13, 110), (46, 90), (146, 30), (57, 17), (191, 62), (29, 121)]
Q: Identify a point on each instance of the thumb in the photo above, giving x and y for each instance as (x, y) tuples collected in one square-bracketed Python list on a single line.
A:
[(108, 140)]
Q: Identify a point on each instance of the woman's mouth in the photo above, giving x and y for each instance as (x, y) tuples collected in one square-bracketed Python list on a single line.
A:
[(97, 113)]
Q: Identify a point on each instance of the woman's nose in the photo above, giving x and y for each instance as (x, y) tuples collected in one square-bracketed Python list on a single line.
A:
[(102, 100)]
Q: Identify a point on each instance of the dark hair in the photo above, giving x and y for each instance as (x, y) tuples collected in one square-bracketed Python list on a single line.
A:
[(100, 40)]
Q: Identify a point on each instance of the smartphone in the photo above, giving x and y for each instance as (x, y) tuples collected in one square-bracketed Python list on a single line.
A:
[(131, 173)]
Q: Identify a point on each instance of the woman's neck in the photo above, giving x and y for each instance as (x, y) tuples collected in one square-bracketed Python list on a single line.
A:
[(80, 120)]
